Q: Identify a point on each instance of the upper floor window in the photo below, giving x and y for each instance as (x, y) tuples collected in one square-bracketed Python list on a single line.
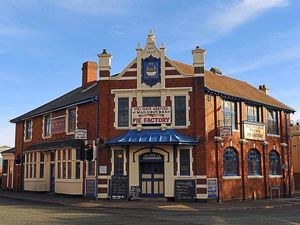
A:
[(252, 113), (272, 122), (28, 129), (47, 126), (123, 112), (231, 162), (229, 114), (180, 110), (151, 101), (71, 120), (274, 163), (254, 163)]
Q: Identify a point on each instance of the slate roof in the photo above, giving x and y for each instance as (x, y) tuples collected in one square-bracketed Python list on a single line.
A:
[(11, 150), (233, 87), (74, 97), (57, 144)]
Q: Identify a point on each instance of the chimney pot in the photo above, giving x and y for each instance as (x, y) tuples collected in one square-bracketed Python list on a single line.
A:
[(263, 88)]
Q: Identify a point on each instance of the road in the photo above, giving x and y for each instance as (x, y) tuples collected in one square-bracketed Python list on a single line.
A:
[(20, 212)]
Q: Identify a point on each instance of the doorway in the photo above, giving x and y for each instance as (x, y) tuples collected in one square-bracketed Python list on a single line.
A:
[(152, 175)]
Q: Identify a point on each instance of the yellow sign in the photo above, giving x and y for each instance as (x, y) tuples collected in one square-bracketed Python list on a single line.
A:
[(254, 131)]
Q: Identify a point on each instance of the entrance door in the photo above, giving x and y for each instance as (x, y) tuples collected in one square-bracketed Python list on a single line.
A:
[(152, 175), (52, 177)]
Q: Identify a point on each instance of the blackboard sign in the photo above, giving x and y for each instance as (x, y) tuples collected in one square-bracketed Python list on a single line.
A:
[(119, 187), (90, 188), (185, 190), (135, 193)]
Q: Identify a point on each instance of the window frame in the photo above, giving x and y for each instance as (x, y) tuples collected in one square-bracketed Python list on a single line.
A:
[(254, 163), (123, 111), (27, 130), (121, 166), (234, 167), (68, 131), (276, 171), (185, 162), (254, 117), (182, 110), (273, 122), (45, 135), (232, 114)]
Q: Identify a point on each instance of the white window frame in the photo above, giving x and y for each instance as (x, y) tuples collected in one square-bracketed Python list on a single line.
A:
[(187, 109), (25, 130), (43, 127), (67, 120)]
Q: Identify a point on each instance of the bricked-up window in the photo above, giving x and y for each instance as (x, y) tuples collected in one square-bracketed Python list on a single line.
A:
[(231, 162), (272, 122), (185, 163), (28, 129), (47, 126), (180, 110), (254, 163), (71, 120), (229, 114), (252, 113), (274, 163), (151, 101), (118, 162), (123, 112)]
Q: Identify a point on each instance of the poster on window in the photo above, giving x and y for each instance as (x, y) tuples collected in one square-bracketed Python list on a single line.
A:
[(254, 131), (151, 115), (58, 124)]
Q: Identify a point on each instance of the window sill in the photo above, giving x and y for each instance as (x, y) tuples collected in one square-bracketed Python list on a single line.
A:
[(46, 137), (273, 135), (68, 181), (27, 140), (275, 176), (231, 177), (70, 133), (255, 177), (235, 130)]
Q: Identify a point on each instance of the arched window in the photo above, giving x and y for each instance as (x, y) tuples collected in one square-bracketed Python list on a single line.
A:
[(274, 163), (231, 162), (254, 163)]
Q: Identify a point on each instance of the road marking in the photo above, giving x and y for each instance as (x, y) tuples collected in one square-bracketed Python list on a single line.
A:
[(177, 208)]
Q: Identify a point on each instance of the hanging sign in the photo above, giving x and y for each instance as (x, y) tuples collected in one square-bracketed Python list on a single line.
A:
[(254, 131), (151, 115), (81, 134), (225, 131), (58, 125)]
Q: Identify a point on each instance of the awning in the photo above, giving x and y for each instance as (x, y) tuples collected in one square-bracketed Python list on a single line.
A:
[(152, 137), (51, 145)]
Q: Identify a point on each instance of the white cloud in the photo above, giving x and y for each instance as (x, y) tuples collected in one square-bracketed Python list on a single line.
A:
[(230, 17), (94, 6), (267, 60)]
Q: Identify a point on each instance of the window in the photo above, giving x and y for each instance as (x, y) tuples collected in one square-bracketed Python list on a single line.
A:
[(91, 168), (42, 164), (254, 163), (34, 165), (71, 120), (151, 101), (185, 162), (118, 162), (5, 166), (229, 114), (123, 112), (180, 110), (274, 163), (231, 162), (28, 129), (272, 122), (47, 126), (69, 166), (252, 113)]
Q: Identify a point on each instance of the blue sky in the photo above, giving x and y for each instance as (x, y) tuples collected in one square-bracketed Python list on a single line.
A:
[(44, 43)]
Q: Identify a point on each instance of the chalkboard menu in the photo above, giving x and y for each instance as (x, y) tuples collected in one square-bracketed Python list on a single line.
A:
[(135, 193), (119, 187), (90, 187), (185, 190)]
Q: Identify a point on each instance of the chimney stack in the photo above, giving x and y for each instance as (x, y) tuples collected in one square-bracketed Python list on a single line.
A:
[(104, 63), (198, 60), (264, 89), (89, 73)]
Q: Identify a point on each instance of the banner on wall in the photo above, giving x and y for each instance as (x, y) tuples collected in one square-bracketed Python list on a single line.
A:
[(151, 115), (254, 131)]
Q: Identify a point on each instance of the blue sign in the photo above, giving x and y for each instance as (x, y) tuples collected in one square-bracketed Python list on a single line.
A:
[(151, 70), (212, 188)]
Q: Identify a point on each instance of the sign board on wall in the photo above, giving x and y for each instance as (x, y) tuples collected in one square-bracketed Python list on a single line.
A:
[(225, 131), (81, 134), (212, 188), (254, 131), (102, 169), (151, 115), (58, 124)]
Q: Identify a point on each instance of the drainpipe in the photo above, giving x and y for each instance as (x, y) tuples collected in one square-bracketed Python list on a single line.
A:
[(242, 141), (264, 145), (288, 141), (96, 100), (282, 153)]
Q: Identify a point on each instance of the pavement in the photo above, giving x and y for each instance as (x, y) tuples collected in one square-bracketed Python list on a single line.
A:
[(150, 204)]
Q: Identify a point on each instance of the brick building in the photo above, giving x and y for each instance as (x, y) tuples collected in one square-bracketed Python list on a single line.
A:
[(295, 144), (161, 128)]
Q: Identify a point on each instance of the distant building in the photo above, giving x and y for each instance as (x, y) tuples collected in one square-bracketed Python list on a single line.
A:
[(2, 148), (295, 133), (159, 128), (7, 181)]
